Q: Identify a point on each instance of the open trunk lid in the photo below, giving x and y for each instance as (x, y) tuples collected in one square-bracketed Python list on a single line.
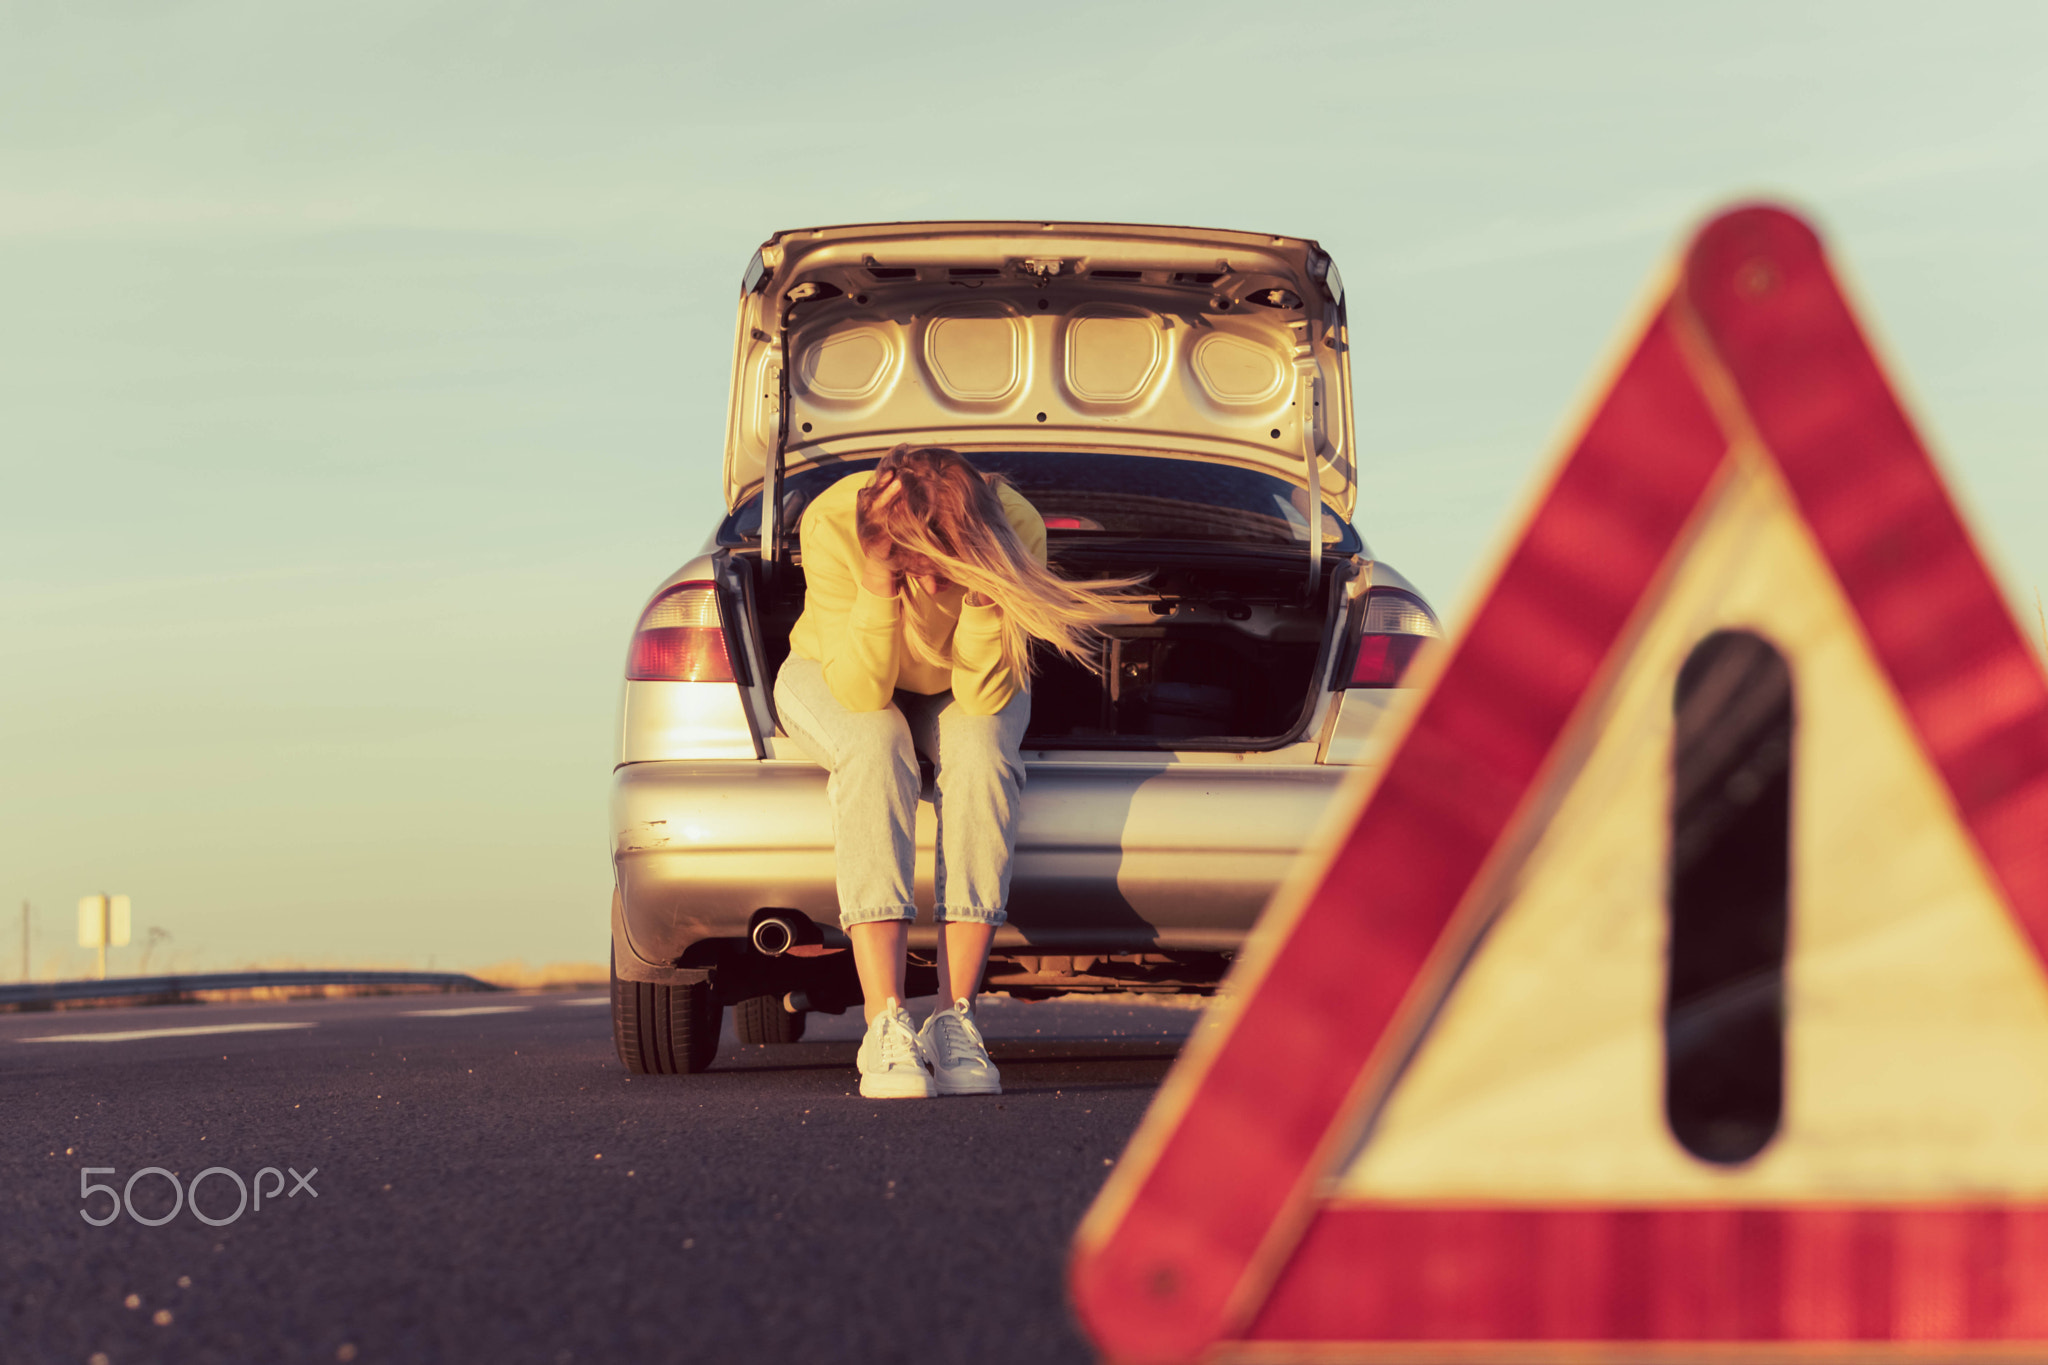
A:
[(1188, 342)]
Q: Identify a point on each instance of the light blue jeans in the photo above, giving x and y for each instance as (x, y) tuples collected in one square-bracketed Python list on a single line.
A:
[(872, 756)]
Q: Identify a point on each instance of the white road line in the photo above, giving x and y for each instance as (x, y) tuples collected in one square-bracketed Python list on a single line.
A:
[(588, 1000), (472, 1009), (133, 1034)]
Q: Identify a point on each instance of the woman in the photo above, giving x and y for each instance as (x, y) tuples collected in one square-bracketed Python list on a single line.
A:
[(925, 586)]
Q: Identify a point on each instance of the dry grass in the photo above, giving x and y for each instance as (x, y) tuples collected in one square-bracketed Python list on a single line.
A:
[(513, 974), (555, 976)]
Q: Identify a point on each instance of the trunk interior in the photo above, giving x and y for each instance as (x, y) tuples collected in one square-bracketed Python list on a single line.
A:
[(1223, 651)]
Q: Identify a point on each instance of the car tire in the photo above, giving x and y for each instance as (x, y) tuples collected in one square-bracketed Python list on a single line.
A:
[(663, 1030), (762, 1019)]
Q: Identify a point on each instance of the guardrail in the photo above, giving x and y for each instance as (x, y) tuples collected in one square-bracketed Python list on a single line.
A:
[(32, 994)]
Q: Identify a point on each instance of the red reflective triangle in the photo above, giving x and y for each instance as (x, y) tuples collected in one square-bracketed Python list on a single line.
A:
[(1211, 1240)]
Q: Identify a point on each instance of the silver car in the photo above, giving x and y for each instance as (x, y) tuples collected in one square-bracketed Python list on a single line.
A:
[(1171, 400)]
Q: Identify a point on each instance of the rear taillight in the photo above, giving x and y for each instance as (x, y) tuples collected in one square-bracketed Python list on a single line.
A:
[(1397, 628), (680, 639)]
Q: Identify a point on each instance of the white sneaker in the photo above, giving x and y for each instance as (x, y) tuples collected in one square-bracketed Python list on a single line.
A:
[(959, 1060), (891, 1067)]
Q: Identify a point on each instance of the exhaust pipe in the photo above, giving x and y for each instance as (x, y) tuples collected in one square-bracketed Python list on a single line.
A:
[(776, 934)]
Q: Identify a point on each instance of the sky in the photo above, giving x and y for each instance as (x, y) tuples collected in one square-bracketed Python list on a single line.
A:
[(363, 368)]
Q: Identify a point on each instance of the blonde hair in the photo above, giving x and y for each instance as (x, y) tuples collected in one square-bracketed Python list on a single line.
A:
[(948, 522)]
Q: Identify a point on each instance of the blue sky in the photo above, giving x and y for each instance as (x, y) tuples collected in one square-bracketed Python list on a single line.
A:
[(362, 367)]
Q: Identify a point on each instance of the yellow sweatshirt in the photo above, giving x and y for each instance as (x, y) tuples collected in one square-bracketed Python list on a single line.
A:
[(857, 637)]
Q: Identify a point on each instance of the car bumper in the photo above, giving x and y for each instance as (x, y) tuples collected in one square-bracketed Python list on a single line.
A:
[(1110, 856)]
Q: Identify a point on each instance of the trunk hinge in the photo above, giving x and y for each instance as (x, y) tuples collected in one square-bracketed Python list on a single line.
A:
[(1309, 402), (771, 479)]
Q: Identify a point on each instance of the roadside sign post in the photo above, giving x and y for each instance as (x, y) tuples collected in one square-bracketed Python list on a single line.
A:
[(24, 940), (1678, 990), (104, 921)]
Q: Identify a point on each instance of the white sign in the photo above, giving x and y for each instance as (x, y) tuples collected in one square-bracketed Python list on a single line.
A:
[(104, 921), (92, 921)]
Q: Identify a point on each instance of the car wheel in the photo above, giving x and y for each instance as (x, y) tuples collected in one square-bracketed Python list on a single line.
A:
[(663, 1030), (762, 1019)]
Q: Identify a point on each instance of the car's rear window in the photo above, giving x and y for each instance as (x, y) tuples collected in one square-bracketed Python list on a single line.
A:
[(1082, 494)]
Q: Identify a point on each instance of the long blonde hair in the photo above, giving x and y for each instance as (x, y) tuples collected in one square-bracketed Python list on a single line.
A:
[(948, 522)]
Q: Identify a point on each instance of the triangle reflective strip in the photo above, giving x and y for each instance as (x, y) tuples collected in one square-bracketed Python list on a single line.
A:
[(1755, 349)]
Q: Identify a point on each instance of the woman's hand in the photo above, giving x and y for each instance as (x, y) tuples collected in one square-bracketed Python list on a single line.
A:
[(877, 574)]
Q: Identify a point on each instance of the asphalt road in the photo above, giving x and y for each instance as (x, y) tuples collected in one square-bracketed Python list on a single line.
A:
[(491, 1186)]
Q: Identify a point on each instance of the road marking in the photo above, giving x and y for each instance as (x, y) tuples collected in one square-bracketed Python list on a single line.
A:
[(472, 1009), (133, 1034), (588, 1000)]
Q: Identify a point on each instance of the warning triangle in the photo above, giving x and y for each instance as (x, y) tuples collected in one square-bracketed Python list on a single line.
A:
[(1677, 988)]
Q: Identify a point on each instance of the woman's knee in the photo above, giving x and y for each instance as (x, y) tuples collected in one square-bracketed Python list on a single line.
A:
[(875, 740), (984, 747)]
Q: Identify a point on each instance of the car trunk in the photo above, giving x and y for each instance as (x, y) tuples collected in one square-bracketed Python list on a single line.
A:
[(1222, 648)]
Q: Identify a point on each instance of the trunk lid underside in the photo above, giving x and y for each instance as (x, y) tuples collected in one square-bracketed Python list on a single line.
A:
[(1224, 346)]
